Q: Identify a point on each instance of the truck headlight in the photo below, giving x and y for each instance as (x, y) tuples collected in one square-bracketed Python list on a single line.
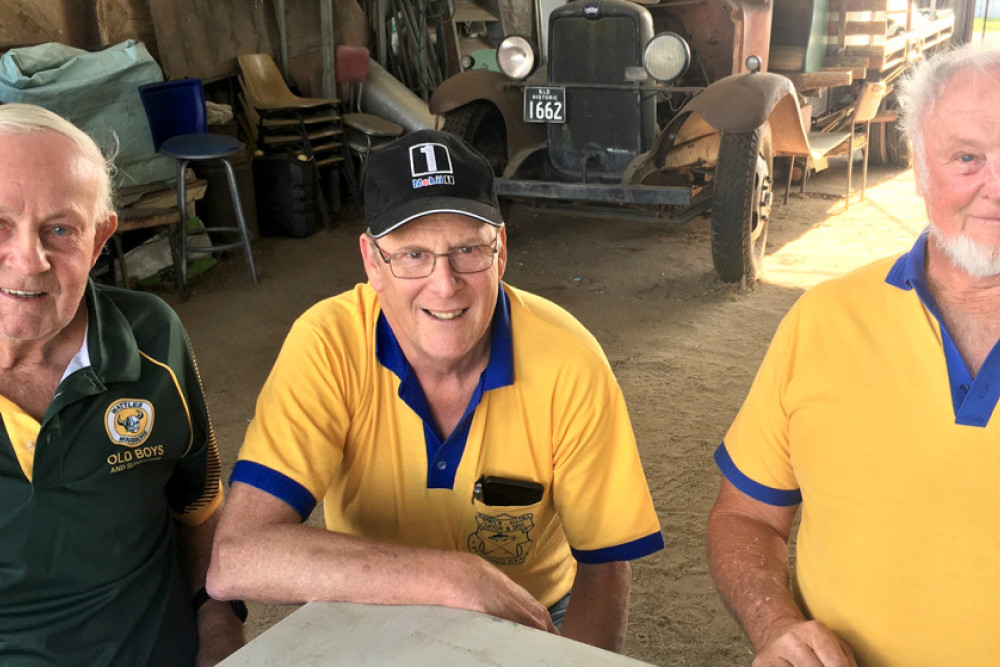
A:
[(667, 56), (516, 57)]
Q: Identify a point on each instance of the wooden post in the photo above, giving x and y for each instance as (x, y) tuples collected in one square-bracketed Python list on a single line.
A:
[(279, 16), (329, 62), (965, 11), (986, 19)]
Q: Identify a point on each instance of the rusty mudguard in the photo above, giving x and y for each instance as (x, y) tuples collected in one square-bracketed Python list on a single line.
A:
[(735, 104), (501, 92)]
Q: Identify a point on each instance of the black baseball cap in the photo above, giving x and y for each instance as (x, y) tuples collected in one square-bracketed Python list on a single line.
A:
[(425, 172)]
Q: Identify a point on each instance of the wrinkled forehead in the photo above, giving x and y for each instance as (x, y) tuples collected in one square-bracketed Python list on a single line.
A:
[(52, 163), (967, 91)]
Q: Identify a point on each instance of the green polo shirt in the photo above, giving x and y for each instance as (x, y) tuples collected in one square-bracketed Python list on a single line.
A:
[(88, 572)]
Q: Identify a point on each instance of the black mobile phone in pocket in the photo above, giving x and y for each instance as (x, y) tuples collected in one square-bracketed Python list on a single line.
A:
[(504, 491)]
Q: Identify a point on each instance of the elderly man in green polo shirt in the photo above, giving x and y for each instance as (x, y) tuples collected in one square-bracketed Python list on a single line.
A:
[(109, 472)]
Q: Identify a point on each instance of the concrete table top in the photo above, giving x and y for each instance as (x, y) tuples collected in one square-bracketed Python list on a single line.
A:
[(340, 633)]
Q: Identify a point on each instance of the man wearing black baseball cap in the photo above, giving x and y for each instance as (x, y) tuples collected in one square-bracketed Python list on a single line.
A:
[(468, 440)]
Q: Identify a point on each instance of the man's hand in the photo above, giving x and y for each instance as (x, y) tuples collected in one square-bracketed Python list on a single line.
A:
[(492, 592), (805, 644), (220, 633)]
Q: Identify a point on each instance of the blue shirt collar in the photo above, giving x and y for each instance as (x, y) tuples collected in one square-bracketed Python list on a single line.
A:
[(908, 271), (500, 368), (973, 398)]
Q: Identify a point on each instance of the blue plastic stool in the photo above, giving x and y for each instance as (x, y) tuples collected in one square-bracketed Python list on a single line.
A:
[(177, 120)]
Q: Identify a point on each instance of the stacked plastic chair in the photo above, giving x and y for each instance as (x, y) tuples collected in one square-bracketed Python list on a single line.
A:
[(283, 123)]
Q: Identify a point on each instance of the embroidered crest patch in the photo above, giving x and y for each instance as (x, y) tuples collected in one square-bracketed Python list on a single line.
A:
[(129, 421), (503, 539)]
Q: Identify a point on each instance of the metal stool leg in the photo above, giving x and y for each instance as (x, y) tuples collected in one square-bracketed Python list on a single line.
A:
[(116, 242), (850, 173), (864, 163), (180, 261), (363, 158), (791, 169), (238, 209)]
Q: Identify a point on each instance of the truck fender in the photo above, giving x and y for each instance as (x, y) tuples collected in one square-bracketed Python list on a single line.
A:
[(740, 103), (489, 86), (736, 104)]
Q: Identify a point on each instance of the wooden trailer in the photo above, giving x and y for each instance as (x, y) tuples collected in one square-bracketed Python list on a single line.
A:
[(830, 48)]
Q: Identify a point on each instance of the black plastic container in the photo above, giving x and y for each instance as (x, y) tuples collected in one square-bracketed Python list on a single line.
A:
[(285, 189)]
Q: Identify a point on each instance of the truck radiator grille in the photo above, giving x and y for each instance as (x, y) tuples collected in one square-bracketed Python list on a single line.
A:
[(602, 133)]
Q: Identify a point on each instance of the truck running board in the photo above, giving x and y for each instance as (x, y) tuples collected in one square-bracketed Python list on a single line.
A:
[(663, 195)]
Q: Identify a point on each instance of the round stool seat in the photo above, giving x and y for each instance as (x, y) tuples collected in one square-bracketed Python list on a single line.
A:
[(204, 146)]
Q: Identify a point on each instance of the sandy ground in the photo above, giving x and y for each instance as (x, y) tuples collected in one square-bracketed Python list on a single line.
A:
[(684, 347)]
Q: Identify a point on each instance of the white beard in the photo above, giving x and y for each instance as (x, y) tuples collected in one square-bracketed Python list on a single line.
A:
[(976, 259)]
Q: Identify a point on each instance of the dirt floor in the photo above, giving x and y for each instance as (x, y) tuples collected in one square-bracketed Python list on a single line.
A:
[(684, 347)]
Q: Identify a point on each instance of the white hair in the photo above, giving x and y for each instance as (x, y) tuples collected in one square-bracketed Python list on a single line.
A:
[(924, 84), (23, 118)]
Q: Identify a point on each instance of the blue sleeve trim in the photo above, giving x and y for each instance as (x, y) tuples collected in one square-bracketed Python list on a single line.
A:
[(756, 490), (628, 551), (278, 485)]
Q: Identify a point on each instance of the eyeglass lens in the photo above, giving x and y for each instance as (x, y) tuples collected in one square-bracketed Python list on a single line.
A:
[(420, 264)]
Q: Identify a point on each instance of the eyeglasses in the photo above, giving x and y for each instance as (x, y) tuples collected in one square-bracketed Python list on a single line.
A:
[(420, 263)]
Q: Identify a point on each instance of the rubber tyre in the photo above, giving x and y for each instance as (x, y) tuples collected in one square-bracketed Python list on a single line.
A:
[(482, 126), (741, 204), (888, 145)]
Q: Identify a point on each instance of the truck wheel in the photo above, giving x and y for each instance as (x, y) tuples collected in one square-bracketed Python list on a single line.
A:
[(897, 148), (887, 144), (481, 124), (741, 204)]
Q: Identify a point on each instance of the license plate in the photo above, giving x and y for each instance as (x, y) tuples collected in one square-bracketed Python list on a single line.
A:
[(544, 104)]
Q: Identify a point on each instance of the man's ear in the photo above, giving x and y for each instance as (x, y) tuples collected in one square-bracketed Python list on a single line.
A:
[(920, 175), (102, 232), (371, 260), (502, 253)]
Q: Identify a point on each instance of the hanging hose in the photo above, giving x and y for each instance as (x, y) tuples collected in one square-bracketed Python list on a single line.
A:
[(412, 58)]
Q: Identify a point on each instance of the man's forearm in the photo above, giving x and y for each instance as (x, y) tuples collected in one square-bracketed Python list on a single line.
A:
[(598, 606), (748, 556), (749, 563), (291, 564), (262, 552)]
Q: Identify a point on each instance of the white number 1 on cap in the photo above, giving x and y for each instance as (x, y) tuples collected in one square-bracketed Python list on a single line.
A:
[(429, 158), (428, 151)]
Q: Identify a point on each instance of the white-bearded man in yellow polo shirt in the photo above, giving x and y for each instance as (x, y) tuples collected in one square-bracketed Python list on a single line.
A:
[(875, 411)]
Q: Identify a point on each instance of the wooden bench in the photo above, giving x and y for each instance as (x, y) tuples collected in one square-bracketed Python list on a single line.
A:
[(147, 207)]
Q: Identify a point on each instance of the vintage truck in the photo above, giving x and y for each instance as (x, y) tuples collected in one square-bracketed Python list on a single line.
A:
[(673, 109)]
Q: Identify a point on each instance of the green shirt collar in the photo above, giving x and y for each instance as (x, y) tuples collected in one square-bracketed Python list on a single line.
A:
[(114, 353)]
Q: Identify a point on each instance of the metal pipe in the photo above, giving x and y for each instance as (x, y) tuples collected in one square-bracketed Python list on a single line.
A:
[(986, 19), (384, 95)]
